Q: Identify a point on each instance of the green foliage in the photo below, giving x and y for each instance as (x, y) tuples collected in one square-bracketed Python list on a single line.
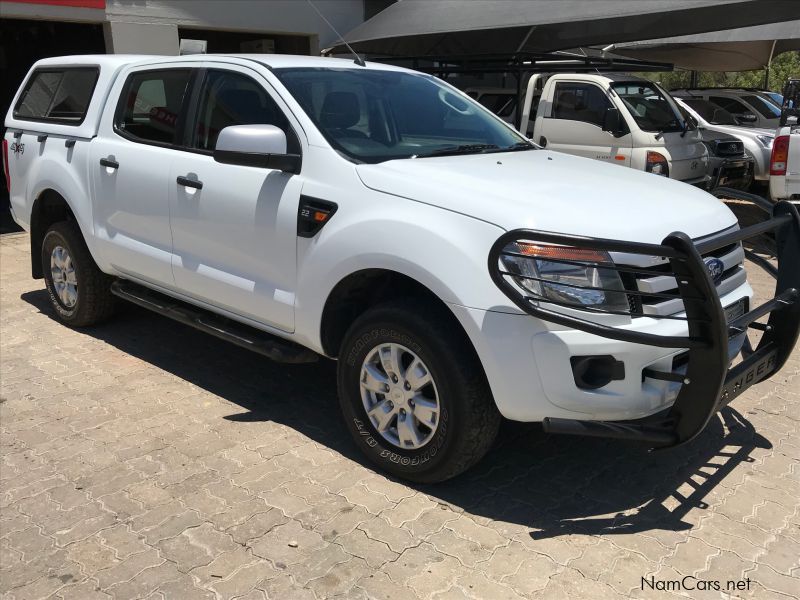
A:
[(783, 67)]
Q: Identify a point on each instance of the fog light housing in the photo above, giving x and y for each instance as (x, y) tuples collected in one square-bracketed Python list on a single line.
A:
[(595, 371)]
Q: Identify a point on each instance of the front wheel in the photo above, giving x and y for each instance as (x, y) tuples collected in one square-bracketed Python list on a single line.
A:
[(414, 394)]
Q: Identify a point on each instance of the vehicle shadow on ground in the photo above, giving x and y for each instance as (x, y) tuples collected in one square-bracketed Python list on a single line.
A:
[(555, 485)]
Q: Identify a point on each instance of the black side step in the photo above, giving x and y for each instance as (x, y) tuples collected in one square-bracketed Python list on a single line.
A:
[(270, 346), (621, 430)]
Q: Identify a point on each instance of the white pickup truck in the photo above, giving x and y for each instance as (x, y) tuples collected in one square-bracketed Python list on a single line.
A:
[(616, 118), (305, 206), (784, 183)]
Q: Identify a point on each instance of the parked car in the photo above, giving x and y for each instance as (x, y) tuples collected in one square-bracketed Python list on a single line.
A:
[(710, 117), (747, 106), (304, 206), (785, 161), (728, 164), (616, 118), (774, 96)]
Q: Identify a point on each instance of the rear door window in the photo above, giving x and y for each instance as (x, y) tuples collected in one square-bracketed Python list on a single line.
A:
[(57, 95), (151, 105)]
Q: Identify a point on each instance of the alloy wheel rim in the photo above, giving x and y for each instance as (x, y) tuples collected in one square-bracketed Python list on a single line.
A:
[(64, 277), (399, 396)]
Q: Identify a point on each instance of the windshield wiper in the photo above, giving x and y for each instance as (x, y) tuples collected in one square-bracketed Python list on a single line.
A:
[(519, 146), (462, 149), (683, 124)]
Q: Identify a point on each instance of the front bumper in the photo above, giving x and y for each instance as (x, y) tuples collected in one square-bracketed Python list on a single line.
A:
[(704, 381), (735, 173)]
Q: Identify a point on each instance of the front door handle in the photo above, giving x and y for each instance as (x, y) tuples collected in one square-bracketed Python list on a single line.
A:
[(109, 162), (192, 183)]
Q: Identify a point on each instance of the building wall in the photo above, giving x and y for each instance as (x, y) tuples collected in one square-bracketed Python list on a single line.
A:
[(151, 26)]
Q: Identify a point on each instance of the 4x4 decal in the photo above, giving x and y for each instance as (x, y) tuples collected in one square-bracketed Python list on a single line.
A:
[(18, 148)]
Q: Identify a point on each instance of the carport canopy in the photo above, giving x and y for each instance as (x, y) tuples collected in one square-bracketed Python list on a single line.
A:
[(742, 49), (470, 27)]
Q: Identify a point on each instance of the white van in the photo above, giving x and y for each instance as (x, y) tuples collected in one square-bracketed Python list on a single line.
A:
[(616, 118)]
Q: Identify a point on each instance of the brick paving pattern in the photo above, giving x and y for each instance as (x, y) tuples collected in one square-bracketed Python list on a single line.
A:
[(142, 459)]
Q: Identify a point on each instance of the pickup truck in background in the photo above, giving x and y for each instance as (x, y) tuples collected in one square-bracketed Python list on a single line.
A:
[(710, 117), (304, 207), (728, 164), (750, 107), (785, 161), (615, 118)]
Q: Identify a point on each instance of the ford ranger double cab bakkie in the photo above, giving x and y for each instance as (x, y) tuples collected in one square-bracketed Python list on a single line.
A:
[(305, 207)]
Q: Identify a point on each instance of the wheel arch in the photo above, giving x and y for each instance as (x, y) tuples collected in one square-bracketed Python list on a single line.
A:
[(49, 207), (360, 290)]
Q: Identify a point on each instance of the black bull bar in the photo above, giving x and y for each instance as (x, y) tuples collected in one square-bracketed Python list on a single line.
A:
[(709, 382)]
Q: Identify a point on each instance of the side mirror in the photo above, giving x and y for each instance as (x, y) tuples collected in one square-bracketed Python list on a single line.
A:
[(612, 121), (255, 146), (746, 118), (793, 120)]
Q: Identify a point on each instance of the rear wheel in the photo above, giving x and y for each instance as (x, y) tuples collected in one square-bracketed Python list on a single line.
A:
[(79, 291), (414, 394)]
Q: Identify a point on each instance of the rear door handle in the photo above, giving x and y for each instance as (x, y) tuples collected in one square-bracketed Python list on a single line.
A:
[(192, 183), (110, 163)]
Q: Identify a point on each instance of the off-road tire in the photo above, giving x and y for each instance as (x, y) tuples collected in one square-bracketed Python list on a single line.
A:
[(469, 419), (95, 303)]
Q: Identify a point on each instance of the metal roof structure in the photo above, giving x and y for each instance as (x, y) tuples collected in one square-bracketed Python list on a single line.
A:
[(474, 27), (742, 49)]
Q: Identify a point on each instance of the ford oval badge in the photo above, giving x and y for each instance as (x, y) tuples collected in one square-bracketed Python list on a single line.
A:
[(715, 268)]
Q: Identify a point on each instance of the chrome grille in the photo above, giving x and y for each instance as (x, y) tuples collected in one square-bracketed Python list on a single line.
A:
[(658, 280), (729, 147)]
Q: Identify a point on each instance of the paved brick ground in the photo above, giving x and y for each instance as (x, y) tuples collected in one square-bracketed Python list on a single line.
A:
[(144, 460)]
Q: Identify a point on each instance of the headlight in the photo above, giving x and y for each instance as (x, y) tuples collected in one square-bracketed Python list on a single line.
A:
[(766, 140), (566, 275), (656, 163)]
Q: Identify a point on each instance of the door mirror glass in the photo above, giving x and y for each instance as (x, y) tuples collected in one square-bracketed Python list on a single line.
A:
[(746, 118), (255, 146), (612, 121)]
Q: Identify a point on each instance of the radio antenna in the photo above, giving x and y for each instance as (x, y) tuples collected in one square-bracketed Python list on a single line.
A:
[(357, 59)]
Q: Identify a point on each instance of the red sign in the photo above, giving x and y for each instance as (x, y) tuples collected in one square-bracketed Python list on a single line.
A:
[(75, 3)]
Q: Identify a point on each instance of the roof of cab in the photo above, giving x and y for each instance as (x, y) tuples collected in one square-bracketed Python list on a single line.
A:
[(272, 61), (102, 60)]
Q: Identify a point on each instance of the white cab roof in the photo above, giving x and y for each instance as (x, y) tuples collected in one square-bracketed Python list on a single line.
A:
[(272, 61)]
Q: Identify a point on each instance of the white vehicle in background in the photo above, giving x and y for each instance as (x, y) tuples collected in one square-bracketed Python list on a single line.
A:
[(615, 118), (757, 142), (749, 107), (784, 182), (302, 206)]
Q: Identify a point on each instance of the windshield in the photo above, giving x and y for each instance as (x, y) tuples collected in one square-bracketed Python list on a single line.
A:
[(764, 106), (503, 105), (716, 115), (372, 116), (649, 106), (776, 98)]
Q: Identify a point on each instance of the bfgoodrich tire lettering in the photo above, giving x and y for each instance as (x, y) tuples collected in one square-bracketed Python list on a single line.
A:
[(467, 419), (90, 300)]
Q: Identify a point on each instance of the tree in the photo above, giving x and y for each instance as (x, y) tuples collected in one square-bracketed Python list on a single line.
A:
[(783, 67)]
